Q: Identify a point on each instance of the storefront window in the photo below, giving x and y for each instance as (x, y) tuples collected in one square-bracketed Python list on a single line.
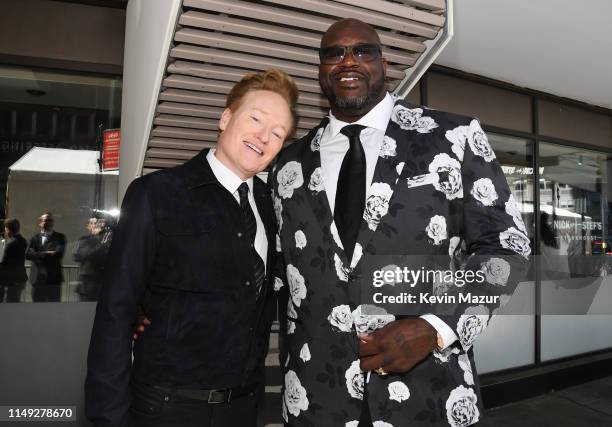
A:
[(576, 260), (50, 128)]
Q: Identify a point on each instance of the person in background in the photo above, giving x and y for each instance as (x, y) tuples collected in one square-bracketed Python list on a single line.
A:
[(90, 252), (192, 250), (46, 250), (13, 275)]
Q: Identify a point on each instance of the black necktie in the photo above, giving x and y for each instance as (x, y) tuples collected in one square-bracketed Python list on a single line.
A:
[(350, 193), (259, 269)]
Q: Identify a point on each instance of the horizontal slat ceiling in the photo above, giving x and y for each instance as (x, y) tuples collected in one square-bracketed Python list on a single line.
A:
[(218, 41)]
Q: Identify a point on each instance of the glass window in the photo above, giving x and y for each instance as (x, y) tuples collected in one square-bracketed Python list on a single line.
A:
[(50, 127), (576, 255)]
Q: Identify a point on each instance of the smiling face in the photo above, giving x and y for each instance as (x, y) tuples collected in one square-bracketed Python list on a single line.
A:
[(353, 87), (253, 134)]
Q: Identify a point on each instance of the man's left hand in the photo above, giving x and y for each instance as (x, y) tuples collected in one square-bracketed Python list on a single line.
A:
[(397, 347)]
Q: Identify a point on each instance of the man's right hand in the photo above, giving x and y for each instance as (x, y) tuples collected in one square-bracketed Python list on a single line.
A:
[(139, 326)]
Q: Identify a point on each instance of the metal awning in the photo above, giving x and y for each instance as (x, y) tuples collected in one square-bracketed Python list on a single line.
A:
[(217, 42)]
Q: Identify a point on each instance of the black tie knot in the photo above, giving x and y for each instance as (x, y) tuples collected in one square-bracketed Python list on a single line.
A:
[(352, 132)]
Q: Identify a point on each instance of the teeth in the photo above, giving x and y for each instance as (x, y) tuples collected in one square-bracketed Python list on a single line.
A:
[(348, 79), (257, 150)]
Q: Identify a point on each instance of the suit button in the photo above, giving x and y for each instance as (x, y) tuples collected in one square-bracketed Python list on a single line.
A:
[(252, 245), (239, 234), (247, 283)]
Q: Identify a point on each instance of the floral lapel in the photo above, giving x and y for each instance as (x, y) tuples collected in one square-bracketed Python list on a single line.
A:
[(405, 124)]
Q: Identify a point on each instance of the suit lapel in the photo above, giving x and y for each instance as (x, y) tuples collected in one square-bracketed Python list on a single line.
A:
[(388, 168)]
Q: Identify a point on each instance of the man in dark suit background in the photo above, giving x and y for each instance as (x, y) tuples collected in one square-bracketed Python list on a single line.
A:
[(192, 251), (46, 250), (13, 275)]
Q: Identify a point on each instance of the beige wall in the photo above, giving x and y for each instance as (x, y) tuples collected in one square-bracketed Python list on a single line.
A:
[(80, 36)]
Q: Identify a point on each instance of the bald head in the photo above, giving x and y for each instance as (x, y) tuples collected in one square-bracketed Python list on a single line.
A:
[(349, 26)]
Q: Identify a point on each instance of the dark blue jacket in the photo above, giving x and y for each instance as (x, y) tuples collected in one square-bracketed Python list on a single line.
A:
[(180, 252)]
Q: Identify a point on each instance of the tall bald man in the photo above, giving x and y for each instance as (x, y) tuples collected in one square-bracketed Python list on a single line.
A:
[(378, 176)]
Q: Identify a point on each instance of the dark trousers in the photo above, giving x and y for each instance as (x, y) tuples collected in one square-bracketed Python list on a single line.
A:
[(12, 291), (151, 407), (46, 293)]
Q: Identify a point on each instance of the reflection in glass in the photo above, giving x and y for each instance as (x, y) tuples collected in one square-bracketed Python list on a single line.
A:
[(49, 139), (515, 157)]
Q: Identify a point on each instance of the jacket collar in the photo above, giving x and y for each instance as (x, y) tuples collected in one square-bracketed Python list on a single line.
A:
[(198, 172)]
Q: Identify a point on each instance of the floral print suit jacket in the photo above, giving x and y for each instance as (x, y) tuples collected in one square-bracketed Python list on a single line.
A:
[(437, 189)]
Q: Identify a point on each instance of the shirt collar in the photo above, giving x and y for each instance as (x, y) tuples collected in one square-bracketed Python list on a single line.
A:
[(377, 117), (228, 179)]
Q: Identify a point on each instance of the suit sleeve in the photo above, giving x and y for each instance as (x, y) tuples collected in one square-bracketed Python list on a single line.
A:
[(31, 253), (128, 267), (495, 239)]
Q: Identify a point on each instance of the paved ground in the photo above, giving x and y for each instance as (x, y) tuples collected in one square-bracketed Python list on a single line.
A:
[(584, 405)]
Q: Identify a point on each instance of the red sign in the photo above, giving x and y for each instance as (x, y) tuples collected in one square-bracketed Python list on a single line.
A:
[(111, 142)]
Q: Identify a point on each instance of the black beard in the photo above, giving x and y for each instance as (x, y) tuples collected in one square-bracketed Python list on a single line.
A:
[(355, 104)]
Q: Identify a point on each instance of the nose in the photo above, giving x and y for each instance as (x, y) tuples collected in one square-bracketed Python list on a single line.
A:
[(264, 135), (348, 59)]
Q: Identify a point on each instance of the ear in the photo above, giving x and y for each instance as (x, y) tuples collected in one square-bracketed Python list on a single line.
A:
[(385, 64), (226, 116)]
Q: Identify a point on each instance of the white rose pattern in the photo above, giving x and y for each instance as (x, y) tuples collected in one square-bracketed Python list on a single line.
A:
[(436, 229), (289, 178), (398, 391), (388, 148), (453, 245), (466, 367), (295, 395), (352, 424), (316, 181), (341, 271), (341, 318), (513, 210), (479, 143), (377, 204), (516, 241), (305, 353), (452, 187), (443, 356), (381, 424), (412, 119), (297, 286), (367, 318), (471, 324), (484, 191), (300, 239), (291, 314), (458, 137), (461, 407), (315, 144), (278, 283), (354, 380), (278, 211), (497, 271)]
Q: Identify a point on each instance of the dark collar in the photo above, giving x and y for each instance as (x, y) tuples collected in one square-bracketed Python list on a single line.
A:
[(198, 172)]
